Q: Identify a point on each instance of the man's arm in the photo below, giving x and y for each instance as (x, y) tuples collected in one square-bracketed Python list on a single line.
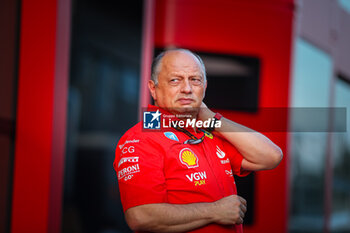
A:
[(259, 152), (165, 217)]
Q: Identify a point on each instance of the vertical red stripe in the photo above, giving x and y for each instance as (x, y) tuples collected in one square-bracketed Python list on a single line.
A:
[(39, 145), (59, 114), (147, 52)]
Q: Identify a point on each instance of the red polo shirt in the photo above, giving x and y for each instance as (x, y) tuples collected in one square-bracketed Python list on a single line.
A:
[(154, 166)]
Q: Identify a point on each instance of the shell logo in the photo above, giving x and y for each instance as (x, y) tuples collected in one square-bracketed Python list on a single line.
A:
[(188, 157)]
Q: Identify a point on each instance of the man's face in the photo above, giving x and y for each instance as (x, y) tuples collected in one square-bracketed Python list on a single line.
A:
[(181, 85)]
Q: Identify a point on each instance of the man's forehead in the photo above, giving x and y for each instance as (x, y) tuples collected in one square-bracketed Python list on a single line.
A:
[(182, 73), (179, 60)]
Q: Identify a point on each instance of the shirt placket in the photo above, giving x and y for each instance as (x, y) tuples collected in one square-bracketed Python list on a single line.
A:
[(213, 168)]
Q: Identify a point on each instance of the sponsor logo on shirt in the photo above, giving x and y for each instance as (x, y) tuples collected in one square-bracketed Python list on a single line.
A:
[(127, 173), (129, 160), (130, 150), (188, 157), (229, 172), (225, 161), (171, 136), (208, 134), (220, 153), (128, 141), (151, 120), (198, 178)]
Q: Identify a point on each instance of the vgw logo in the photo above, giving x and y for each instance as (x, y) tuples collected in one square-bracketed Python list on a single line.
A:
[(151, 120)]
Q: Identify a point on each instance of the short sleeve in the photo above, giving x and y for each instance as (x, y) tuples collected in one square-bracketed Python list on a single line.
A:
[(235, 159), (139, 167)]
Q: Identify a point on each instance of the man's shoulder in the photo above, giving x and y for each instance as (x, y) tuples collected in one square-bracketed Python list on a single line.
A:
[(137, 133), (136, 142), (135, 130)]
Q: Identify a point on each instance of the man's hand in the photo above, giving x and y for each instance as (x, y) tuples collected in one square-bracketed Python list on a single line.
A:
[(259, 152), (230, 210), (205, 113)]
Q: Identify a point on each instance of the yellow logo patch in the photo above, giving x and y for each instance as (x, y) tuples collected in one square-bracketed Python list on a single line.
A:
[(188, 158), (208, 134)]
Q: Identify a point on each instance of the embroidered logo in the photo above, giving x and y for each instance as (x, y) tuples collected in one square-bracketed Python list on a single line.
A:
[(129, 141), (171, 136), (208, 134), (229, 172), (220, 153), (188, 157), (129, 160), (199, 178), (128, 172)]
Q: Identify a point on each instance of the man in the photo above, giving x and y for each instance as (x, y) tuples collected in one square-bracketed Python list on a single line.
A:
[(182, 180)]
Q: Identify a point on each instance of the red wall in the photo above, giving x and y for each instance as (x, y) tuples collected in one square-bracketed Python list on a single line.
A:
[(258, 28)]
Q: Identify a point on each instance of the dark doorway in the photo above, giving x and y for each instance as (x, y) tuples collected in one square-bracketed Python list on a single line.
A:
[(103, 104)]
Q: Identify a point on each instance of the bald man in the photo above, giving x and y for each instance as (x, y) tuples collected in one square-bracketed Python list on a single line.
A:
[(180, 179)]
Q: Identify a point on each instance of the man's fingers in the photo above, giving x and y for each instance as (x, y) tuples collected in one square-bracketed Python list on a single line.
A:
[(241, 214), (244, 208), (242, 200), (243, 205)]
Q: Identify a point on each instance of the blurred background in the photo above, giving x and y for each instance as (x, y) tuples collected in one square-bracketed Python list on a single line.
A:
[(73, 77)]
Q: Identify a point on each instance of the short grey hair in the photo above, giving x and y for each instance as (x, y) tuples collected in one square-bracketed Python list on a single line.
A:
[(156, 64)]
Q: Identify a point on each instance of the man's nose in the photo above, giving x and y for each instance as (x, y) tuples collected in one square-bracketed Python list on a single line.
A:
[(186, 87)]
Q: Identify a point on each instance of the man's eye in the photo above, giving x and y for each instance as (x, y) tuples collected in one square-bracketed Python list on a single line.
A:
[(174, 80), (196, 81)]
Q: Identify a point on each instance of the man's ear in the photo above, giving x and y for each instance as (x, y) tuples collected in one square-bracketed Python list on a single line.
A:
[(152, 89)]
